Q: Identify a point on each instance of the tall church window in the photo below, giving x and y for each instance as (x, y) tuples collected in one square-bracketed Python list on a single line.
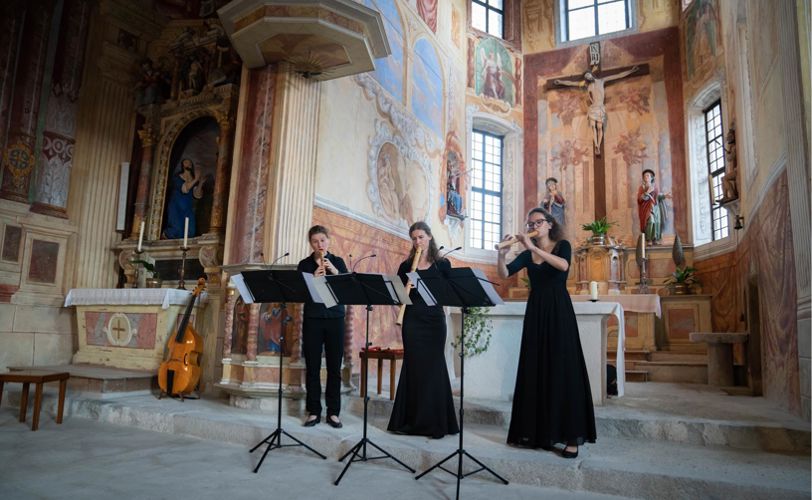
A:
[(592, 18), (486, 190), (714, 142), (489, 16)]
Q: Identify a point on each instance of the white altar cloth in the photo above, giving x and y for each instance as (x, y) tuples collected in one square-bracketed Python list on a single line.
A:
[(130, 296), (492, 375)]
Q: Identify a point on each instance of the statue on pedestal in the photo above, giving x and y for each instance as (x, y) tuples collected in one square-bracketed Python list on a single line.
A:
[(651, 207)]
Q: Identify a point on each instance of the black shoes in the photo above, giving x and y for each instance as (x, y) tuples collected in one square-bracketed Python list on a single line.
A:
[(569, 454), (313, 422), (336, 424)]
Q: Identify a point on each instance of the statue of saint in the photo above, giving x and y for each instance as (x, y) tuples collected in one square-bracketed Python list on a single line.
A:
[(729, 188), (651, 208), (553, 201), (596, 114)]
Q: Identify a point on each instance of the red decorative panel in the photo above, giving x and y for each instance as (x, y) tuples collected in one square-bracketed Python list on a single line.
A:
[(681, 322), (137, 331)]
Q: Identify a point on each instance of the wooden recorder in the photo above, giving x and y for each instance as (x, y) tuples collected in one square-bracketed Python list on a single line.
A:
[(512, 241), (409, 285)]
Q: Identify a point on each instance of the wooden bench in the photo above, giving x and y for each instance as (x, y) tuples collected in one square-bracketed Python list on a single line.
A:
[(720, 354), (39, 377), (392, 355)]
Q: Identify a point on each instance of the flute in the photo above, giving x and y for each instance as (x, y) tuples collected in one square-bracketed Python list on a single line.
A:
[(512, 241), (409, 285), (320, 261)]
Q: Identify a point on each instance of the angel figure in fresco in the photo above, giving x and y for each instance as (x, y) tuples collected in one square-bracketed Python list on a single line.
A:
[(596, 114), (553, 201), (492, 75), (651, 208), (185, 186)]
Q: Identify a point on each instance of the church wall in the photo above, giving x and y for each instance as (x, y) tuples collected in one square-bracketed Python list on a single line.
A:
[(747, 57)]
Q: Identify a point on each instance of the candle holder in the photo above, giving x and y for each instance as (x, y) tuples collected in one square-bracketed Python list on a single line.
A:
[(643, 288), (135, 267), (181, 284)]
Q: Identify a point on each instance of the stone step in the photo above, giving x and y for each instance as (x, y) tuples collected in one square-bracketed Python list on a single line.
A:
[(614, 465), (675, 357), (636, 375), (692, 372)]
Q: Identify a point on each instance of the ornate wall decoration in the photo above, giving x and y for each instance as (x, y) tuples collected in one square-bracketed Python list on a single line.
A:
[(389, 71), (54, 173), (495, 72)]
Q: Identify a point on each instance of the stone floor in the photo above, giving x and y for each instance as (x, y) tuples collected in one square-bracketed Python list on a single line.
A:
[(660, 441)]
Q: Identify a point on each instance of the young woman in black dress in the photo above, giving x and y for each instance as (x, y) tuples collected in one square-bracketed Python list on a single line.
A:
[(423, 403), (552, 402), (322, 327)]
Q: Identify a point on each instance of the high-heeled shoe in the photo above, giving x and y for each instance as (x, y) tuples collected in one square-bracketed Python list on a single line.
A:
[(569, 454)]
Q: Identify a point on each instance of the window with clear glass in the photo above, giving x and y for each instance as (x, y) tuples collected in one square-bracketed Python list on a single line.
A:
[(591, 18), (714, 142), (489, 16), (486, 190)]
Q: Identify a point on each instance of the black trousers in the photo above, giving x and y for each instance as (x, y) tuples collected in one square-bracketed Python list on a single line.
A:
[(329, 333)]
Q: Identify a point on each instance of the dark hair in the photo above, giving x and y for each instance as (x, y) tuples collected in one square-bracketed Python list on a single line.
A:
[(316, 230), (433, 250), (556, 233), (650, 171), (551, 179)]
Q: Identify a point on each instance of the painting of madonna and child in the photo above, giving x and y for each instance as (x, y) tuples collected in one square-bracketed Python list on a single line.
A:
[(190, 186)]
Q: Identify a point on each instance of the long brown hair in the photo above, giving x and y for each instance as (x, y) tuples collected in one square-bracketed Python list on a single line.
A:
[(433, 252), (556, 233)]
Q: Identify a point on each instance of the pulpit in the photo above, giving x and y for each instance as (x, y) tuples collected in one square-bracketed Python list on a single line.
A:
[(128, 328)]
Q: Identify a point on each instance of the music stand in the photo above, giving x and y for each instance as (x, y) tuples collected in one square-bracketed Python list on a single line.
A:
[(366, 290), (462, 287), (280, 285)]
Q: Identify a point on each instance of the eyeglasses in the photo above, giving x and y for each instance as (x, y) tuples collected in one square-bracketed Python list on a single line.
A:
[(537, 223)]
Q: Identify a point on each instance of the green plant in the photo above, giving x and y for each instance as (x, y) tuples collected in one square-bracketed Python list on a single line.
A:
[(477, 326), (598, 227), (149, 266), (683, 276)]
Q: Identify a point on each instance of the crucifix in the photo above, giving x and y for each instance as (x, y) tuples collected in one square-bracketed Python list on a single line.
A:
[(595, 81)]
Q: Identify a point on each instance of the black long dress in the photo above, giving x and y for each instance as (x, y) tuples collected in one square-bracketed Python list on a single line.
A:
[(552, 402), (424, 404)]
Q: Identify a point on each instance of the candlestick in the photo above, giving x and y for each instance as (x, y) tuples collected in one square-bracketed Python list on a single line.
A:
[(181, 284), (185, 232), (643, 288), (138, 257), (593, 291), (643, 245), (140, 236)]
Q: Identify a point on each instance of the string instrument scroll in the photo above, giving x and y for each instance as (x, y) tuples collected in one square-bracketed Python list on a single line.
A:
[(409, 285), (179, 373)]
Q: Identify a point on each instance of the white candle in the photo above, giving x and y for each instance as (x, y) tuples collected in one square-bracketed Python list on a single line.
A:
[(643, 246), (593, 290), (185, 231), (141, 236)]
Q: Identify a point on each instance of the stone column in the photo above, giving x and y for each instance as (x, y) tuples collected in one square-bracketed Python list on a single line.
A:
[(221, 176), (19, 156), (798, 180), (228, 331), (291, 184), (147, 136), (11, 23), (105, 131)]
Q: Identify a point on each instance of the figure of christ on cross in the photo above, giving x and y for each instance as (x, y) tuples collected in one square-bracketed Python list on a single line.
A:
[(597, 96)]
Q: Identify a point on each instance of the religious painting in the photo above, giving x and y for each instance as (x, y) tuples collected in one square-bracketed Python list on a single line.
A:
[(389, 70), (44, 259), (494, 71), (402, 187), (270, 322), (427, 10), (452, 202), (190, 186), (427, 86), (702, 38)]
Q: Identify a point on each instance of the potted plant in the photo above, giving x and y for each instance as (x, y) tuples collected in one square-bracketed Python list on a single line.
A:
[(477, 328), (599, 228), (682, 280), (155, 280)]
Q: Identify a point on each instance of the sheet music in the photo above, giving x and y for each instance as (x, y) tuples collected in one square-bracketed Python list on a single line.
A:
[(422, 289), (319, 291), (245, 293), (397, 290), (487, 286)]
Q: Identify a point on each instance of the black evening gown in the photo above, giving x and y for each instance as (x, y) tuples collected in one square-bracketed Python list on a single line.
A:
[(552, 402), (423, 403)]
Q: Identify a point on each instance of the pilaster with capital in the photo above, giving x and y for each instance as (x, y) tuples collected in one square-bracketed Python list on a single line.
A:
[(147, 136)]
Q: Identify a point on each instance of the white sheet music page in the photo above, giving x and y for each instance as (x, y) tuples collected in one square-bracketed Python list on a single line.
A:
[(245, 293), (488, 287), (319, 291), (422, 289)]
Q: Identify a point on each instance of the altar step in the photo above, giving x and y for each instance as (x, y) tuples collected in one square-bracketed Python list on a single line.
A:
[(101, 379)]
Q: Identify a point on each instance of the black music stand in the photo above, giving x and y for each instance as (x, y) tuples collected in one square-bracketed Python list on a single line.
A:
[(366, 290), (280, 286), (462, 287)]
